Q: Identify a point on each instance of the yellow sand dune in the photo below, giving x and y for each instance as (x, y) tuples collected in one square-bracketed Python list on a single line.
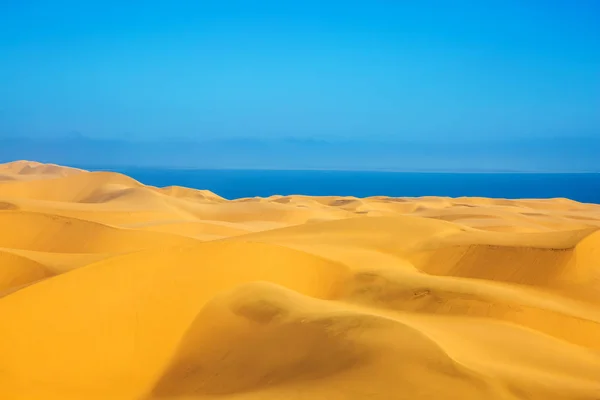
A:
[(22, 170), (18, 271), (110, 289), (148, 299), (197, 229), (52, 233), (182, 192), (80, 187)]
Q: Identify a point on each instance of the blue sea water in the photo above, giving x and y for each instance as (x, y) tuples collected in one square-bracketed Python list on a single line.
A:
[(231, 184)]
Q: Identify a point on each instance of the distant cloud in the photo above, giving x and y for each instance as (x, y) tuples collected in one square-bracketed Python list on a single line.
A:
[(532, 155)]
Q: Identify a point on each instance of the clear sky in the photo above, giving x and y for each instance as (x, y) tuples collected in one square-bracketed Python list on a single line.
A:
[(371, 69)]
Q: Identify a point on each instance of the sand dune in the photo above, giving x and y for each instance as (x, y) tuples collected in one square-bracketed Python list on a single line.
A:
[(24, 170), (110, 289)]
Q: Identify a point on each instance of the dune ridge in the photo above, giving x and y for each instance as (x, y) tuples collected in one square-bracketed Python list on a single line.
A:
[(111, 289)]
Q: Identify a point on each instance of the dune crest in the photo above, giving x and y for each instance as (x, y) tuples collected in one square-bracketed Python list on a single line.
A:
[(111, 289)]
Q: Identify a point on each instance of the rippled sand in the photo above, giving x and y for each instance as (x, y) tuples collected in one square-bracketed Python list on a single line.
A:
[(110, 289)]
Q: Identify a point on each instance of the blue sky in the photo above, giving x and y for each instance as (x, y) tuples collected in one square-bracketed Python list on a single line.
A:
[(378, 69)]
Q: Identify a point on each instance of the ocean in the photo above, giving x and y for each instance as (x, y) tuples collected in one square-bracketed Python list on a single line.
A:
[(232, 184)]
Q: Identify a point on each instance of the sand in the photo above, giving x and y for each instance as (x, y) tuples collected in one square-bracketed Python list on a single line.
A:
[(110, 289)]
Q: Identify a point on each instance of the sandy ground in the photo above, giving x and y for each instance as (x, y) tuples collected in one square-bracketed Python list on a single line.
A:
[(110, 289)]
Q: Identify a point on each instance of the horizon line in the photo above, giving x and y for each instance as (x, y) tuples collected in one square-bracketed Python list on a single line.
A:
[(382, 170)]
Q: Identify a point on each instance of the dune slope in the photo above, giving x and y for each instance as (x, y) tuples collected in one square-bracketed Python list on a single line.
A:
[(111, 289)]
